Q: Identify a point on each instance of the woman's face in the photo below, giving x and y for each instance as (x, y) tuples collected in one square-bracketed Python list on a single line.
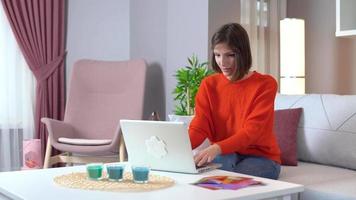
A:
[(225, 57)]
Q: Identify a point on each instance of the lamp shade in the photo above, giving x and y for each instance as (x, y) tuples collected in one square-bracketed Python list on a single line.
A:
[(292, 56)]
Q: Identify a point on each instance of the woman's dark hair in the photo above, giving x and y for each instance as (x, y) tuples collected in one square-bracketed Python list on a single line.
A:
[(234, 36)]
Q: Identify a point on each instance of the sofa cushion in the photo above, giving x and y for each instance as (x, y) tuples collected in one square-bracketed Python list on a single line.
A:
[(321, 181), (285, 126), (327, 127)]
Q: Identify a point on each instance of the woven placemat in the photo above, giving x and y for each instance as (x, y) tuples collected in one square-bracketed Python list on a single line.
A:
[(79, 180)]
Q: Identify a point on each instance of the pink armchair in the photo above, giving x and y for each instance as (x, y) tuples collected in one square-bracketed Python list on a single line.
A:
[(100, 94)]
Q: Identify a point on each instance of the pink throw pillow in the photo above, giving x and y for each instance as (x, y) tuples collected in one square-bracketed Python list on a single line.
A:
[(286, 125)]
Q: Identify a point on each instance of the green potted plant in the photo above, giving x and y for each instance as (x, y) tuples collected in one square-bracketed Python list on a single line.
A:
[(188, 82)]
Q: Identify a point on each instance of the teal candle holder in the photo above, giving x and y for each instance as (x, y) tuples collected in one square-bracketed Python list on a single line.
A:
[(115, 171), (95, 171), (140, 174)]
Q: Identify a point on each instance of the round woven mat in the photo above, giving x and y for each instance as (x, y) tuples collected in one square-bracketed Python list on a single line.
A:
[(79, 180)]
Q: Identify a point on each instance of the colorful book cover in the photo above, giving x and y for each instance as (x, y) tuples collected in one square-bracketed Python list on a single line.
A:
[(226, 182)]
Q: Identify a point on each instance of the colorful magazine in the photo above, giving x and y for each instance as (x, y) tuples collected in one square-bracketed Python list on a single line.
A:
[(226, 182)]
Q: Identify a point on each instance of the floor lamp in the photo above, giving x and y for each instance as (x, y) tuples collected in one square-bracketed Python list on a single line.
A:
[(292, 56)]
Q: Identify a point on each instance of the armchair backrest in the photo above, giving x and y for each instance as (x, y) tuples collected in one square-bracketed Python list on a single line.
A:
[(103, 92)]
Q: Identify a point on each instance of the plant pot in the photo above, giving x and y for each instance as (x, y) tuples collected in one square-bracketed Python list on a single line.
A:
[(181, 118)]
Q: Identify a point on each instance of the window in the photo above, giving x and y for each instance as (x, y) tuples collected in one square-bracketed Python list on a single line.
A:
[(16, 84)]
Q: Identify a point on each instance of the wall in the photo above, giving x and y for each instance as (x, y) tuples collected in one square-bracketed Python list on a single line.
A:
[(330, 61), (162, 32), (148, 30), (187, 33), (222, 12), (97, 30), (165, 33)]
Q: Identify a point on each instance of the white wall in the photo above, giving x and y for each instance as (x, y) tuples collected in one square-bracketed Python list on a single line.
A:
[(162, 32), (187, 33), (222, 12), (330, 61), (165, 33), (148, 30), (97, 30)]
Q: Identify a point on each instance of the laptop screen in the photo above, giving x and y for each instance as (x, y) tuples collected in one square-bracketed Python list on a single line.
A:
[(160, 144)]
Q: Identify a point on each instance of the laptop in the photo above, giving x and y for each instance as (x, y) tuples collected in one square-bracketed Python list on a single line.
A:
[(163, 145)]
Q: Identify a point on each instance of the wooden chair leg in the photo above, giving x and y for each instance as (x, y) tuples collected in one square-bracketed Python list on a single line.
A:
[(69, 154), (122, 150), (48, 154)]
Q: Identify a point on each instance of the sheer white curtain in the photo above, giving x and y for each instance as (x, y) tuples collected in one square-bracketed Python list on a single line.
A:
[(261, 18), (17, 93)]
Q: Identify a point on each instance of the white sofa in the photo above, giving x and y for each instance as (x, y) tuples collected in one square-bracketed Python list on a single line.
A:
[(326, 141)]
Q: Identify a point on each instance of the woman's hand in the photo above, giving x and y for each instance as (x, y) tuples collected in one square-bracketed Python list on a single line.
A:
[(207, 155)]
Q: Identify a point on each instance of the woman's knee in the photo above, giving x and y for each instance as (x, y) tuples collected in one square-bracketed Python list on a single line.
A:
[(258, 166), (228, 161)]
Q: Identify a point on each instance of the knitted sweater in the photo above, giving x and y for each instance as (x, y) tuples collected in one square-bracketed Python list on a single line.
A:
[(238, 116)]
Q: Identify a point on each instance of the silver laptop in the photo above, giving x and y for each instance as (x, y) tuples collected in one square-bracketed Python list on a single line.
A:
[(163, 145)]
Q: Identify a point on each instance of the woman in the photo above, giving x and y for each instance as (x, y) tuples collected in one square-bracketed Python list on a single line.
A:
[(235, 110)]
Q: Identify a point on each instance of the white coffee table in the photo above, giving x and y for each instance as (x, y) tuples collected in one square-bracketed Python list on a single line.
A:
[(38, 184)]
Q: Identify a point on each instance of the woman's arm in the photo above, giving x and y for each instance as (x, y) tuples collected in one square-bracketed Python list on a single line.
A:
[(200, 127)]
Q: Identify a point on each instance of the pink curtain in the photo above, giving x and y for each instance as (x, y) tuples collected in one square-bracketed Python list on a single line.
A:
[(39, 28)]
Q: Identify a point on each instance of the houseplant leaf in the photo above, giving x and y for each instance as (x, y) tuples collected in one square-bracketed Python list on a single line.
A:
[(188, 81)]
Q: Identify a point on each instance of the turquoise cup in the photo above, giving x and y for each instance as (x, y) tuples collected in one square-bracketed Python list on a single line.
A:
[(115, 171), (140, 173), (95, 171)]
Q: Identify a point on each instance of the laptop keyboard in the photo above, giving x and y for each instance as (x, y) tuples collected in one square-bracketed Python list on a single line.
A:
[(205, 168), (208, 167)]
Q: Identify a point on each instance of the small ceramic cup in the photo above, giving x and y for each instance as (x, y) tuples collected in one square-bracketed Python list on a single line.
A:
[(140, 173), (115, 171), (95, 171)]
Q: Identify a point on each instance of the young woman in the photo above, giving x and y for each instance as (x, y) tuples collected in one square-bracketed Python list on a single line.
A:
[(235, 110)]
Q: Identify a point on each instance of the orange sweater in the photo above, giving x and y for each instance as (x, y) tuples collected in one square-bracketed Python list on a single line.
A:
[(238, 116)]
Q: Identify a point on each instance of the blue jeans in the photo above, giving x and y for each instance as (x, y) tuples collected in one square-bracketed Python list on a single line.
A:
[(250, 165)]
